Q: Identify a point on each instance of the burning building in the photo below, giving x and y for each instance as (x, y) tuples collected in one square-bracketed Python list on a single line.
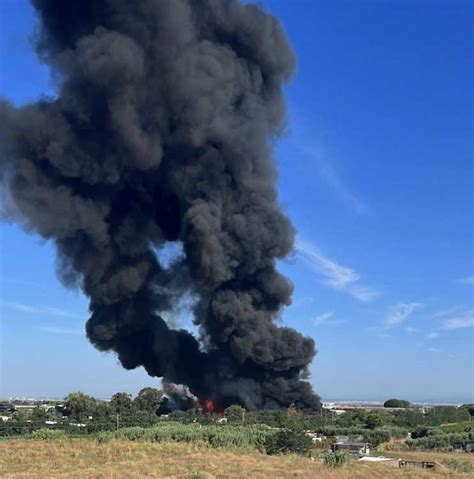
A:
[(161, 132)]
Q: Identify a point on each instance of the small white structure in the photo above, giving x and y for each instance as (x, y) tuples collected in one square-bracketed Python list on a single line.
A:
[(362, 448), (315, 437), (377, 459), (389, 461)]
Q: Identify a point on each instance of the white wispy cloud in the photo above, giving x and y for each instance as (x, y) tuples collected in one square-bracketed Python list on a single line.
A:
[(303, 301), (322, 318), (60, 331), (326, 318), (335, 275), (400, 313), (468, 280), (328, 174), (434, 350), (40, 310), (411, 330), (463, 319), (453, 311), (432, 335)]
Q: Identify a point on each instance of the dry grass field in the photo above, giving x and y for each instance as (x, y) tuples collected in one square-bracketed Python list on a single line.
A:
[(84, 458)]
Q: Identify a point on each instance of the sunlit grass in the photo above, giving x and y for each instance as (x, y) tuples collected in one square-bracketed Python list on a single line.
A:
[(78, 458)]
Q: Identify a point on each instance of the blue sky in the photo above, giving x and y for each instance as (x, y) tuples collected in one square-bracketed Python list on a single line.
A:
[(376, 173)]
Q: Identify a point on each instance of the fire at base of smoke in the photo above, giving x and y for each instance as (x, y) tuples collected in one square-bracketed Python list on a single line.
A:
[(161, 132)]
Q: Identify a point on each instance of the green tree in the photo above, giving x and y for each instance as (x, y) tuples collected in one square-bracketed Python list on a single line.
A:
[(408, 417), (235, 414), (121, 403), (21, 415), (79, 405), (148, 399), (102, 410), (140, 418), (374, 419), (446, 414), (396, 403), (39, 414), (289, 440), (469, 408), (352, 418)]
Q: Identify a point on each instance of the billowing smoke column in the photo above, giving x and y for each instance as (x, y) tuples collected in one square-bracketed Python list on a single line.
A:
[(161, 132)]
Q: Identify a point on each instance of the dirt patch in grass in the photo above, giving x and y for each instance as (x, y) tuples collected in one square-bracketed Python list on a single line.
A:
[(84, 458)]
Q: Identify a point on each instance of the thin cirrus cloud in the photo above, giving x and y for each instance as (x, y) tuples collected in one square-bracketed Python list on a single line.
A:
[(336, 276), (60, 331), (461, 320), (328, 175), (400, 313), (469, 280), (40, 310), (452, 311), (326, 318)]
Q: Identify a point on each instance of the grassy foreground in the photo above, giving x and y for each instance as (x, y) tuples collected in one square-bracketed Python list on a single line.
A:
[(85, 458)]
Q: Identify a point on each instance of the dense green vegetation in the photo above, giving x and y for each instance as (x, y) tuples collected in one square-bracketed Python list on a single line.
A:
[(288, 440), (442, 441), (214, 435), (147, 417), (335, 459), (396, 403), (464, 426)]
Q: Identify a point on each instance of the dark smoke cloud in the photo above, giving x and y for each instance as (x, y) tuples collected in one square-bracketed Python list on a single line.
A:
[(161, 131)]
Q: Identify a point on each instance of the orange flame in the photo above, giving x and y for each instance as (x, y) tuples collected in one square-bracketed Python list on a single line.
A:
[(208, 406)]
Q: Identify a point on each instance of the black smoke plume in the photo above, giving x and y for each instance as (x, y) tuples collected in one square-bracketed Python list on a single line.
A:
[(162, 132)]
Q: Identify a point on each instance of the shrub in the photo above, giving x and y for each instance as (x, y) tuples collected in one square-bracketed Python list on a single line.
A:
[(131, 433), (465, 426), (335, 459), (46, 434), (196, 475), (395, 432), (375, 419), (235, 414), (104, 437), (441, 441), (377, 437), (289, 440)]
